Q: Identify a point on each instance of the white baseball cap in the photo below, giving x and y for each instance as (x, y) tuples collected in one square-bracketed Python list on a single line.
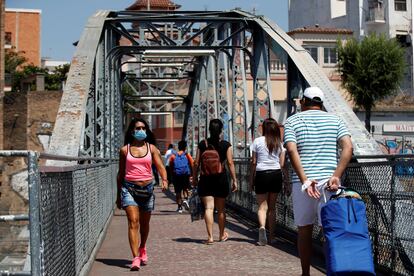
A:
[(314, 92)]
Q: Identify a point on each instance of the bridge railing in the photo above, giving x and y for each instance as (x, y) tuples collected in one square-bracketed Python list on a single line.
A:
[(69, 210), (386, 184)]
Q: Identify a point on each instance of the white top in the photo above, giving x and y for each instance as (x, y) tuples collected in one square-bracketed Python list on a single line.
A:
[(167, 156), (266, 161)]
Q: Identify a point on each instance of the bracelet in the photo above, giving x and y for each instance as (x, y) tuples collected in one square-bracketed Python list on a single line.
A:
[(306, 185)]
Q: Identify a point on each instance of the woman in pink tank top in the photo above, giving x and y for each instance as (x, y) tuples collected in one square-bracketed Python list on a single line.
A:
[(136, 185)]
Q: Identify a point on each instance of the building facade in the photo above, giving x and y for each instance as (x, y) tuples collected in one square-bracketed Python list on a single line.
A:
[(22, 33), (2, 15), (391, 119), (321, 42), (393, 18)]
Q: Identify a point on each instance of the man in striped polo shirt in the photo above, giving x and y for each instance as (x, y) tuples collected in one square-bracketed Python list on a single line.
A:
[(311, 138)]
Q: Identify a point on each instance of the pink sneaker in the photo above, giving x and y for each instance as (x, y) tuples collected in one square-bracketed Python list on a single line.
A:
[(143, 255), (136, 262)]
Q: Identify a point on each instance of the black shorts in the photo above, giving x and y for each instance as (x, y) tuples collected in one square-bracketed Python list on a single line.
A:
[(269, 181), (181, 182), (214, 185)]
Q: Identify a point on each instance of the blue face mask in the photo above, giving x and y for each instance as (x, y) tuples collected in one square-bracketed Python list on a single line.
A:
[(140, 135)]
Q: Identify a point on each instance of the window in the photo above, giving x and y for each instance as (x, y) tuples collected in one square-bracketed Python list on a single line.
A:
[(400, 5), (8, 38), (329, 55), (178, 118), (403, 40), (313, 51)]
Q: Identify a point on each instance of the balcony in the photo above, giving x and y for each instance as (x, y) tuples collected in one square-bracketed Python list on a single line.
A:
[(375, 16)]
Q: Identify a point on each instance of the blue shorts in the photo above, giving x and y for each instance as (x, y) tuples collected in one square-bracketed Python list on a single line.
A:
[(144, 202)]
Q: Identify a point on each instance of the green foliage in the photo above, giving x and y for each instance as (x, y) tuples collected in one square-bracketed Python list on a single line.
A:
[(371, 69), (53, 81), (12, 60), (14, 65)]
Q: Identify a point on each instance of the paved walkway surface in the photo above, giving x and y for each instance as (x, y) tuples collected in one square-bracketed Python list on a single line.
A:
[(175, 247)]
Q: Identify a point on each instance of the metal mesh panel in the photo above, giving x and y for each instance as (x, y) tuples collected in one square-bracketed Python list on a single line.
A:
[(386, 185), (57, 224), (387, 189), (75, 207)]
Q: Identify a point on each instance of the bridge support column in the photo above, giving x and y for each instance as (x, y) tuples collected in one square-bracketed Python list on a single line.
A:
[(240, 106), (263, 105)]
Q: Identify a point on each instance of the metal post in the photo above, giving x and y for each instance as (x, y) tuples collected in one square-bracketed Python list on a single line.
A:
[(392, 226), (36, 247)]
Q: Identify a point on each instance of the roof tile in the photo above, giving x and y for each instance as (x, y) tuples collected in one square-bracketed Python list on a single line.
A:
[(157, 4), (320, 30)]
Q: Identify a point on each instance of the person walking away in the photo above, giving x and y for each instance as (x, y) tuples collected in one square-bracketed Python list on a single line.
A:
[(167, 156), (181, 166), (135, 184), (312, 138), (268, 158), (213, 186)]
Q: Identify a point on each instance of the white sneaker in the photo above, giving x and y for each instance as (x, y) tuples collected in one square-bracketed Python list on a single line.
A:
[(180, 210), (262, 236), (186, 206)]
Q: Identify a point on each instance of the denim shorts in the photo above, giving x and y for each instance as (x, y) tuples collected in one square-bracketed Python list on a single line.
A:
[(128, 199)]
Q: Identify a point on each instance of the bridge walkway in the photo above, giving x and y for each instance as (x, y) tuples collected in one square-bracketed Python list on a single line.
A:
[(175, 247)]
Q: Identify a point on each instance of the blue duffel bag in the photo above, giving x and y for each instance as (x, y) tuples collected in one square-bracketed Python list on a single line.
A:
[(347, 244)]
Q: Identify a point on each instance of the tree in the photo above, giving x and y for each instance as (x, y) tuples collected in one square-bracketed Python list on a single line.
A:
[(371, 70), (15, 65), (12, 61), (54, 80)]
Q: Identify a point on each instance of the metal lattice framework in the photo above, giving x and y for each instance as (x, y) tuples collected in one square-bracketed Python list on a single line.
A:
[(201, 64), (204, 65)]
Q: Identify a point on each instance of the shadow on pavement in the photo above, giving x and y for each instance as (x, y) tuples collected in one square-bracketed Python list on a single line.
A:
[(199, 241), (241, 240), (115, 262)]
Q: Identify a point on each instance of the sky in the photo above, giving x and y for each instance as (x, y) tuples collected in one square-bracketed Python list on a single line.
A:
[(63, 21)]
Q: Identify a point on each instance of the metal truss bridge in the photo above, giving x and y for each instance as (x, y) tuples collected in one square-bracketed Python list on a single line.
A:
[(202, 64)]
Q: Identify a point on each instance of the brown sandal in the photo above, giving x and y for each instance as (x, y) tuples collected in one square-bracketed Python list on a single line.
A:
[(207, 242)]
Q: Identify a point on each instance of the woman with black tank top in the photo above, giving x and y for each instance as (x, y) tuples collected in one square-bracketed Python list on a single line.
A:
[(213, 189)]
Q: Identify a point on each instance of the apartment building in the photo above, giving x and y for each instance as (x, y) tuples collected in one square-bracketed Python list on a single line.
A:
[(22, 28), (22, 33), (392, 120), (390, 17)]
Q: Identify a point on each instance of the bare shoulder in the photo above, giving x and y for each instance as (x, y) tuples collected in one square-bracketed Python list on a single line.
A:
[(124, 150), (154, 149)]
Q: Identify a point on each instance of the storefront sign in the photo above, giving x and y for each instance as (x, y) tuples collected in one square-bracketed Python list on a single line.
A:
[(406, 128)]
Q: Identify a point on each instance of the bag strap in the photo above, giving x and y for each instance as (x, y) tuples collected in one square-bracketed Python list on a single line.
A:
[(209, 145)]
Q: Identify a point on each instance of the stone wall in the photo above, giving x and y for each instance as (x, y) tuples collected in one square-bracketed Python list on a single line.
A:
[(28, 124), (29, 119)]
